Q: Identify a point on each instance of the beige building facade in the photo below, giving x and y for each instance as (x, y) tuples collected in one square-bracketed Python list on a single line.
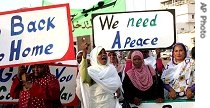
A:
[(185, 19)]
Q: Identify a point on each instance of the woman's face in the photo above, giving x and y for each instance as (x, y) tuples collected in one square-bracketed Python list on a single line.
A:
[(38, 69), (137, 61), (179, 53), (112, 57), (102, 57)]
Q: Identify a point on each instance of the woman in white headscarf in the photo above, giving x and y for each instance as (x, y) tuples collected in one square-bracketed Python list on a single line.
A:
[(102, 78), (179, 74)]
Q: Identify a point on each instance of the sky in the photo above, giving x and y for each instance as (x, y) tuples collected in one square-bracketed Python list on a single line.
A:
[(6, 5), (131, 5)]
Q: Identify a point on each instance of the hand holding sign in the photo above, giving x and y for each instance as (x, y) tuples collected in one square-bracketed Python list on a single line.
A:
[(23, 77)]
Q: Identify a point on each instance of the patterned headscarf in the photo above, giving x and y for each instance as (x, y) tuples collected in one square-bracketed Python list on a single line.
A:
[(141, 77)]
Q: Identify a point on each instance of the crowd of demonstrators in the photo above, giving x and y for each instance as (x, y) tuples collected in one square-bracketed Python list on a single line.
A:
[(179, 74), (138, 83), (39, 89), (102, 78)]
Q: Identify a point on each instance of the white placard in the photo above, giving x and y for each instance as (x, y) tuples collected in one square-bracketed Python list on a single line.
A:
[(134, 30), (35, 35)]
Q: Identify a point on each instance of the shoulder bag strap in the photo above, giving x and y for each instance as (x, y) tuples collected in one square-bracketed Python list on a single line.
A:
[(156, 79)]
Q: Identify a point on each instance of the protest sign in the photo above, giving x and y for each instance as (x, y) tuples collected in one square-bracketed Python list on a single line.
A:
[(65, 74), (134, 30), (33, 35)]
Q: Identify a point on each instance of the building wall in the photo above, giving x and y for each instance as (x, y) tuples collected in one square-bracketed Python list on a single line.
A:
[(184, 13), (187, 39), (185, 19), (185, 27)]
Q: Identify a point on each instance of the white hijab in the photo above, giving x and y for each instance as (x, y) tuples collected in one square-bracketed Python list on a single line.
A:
[(104, 75)]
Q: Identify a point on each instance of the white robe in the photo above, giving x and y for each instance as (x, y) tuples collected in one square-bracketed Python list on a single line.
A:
[(107, 83)]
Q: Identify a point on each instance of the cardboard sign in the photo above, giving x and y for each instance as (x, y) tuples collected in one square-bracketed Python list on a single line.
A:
[(134, 30), (65, 74), (34, 35)]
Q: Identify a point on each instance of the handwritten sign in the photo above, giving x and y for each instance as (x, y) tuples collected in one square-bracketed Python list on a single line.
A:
[(40, 34), (134, 30), (65, 74)]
